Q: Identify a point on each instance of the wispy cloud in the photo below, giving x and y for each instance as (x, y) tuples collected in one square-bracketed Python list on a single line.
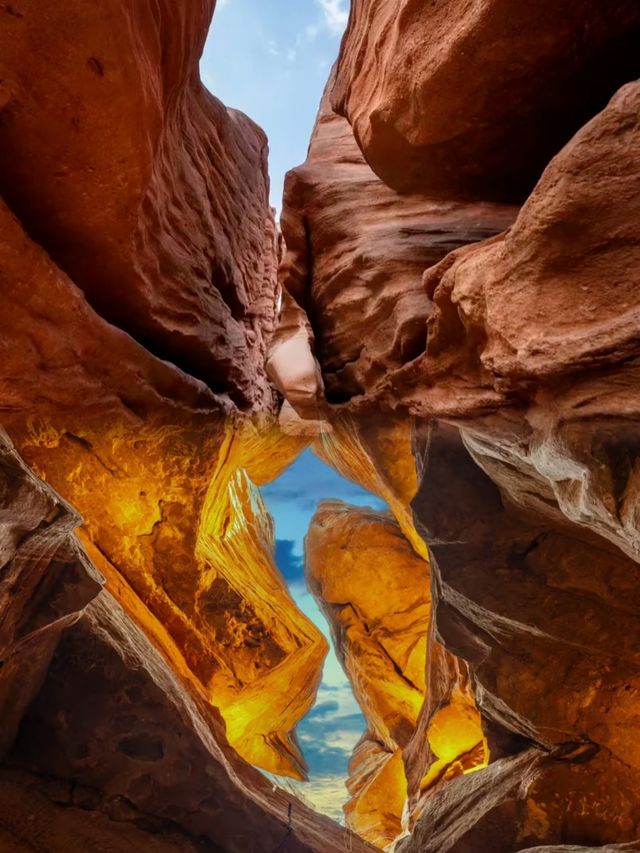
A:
[(336, 14)]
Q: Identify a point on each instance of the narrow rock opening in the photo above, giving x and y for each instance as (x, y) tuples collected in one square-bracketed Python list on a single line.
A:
[(330, 731)]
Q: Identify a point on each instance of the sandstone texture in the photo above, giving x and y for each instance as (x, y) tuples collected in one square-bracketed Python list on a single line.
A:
[(146, 452), (46, 582), (137, 269), (449, 319), (373, 590), (139, 184), (466, 99), (371, 579), (521, 398), (351, 273)]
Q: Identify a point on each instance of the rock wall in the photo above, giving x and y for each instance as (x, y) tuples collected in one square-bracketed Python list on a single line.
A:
[(137, 270), (520, 387), (373, 589), (139, 184), (458, 334)]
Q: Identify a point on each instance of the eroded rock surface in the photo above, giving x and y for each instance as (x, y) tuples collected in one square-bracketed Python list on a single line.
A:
[(373, 590), (462, 99), (352, 270), (46, 582), (549, 653), (141, 232), (524, 395), (139, 184), (134, 745)]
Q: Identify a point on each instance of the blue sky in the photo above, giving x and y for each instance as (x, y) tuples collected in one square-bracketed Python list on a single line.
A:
[(271, 59), (330, 731)]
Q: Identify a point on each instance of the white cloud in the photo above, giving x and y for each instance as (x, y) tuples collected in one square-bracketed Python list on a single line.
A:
[(325, 794), (336, 14)]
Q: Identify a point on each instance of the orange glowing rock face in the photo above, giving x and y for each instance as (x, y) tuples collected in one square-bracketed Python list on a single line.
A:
[(182, 535), (376, 453), (370, 574), (378, 789), (375, 593)]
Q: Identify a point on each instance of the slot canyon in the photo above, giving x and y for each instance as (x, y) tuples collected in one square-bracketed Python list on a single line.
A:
[(439, 315)]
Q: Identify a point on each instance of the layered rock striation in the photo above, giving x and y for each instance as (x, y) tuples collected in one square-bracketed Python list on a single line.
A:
[(140, 185), (458, 333), (373, 590), (351, 271)]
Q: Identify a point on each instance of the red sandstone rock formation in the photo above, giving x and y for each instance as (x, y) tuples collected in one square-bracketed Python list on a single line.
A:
[(355, 254), (139, 184), (473, 99), (116, 747), (373, 590), (529, 495), (140, 232), (137, 269)]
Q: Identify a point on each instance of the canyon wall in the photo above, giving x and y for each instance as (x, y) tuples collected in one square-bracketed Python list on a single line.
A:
[(459, 334), (462, 252), (151, 652)]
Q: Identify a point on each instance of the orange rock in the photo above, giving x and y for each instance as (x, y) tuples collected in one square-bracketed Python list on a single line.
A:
[(352, 270), (472, 100), (378, 791), (139, 447), (375, 452), (375, 593), (139, 184)]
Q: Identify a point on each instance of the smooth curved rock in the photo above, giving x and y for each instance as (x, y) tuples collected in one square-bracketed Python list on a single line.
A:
[(567, 272), (125, 738), (351, 273), (375, 593), (466, 99), (46, 582), (142, 449), (139, 184), (375, 452), (523, 603)]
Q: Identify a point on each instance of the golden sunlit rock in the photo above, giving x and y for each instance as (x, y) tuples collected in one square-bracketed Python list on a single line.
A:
[(185, 527), (378, 789), (374, 590), (375, 593), (372, 582), (375, 452)]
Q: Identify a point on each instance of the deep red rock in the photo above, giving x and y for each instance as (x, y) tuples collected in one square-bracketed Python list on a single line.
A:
[(467, 99), (352, 269)]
